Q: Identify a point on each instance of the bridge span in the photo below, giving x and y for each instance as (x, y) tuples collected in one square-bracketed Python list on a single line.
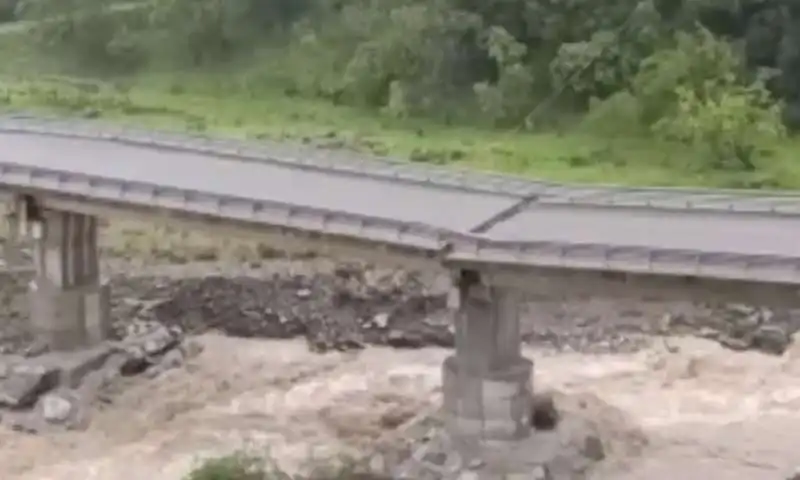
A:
[(497, 236)]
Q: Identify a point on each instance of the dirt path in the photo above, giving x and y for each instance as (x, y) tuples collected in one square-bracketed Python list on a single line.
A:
[(708, 412)]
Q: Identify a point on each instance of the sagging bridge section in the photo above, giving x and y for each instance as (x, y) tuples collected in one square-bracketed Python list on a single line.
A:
[(496, 236)]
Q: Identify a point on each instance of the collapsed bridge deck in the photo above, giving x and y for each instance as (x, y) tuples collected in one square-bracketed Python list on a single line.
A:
[(496, 235), (433, 212)]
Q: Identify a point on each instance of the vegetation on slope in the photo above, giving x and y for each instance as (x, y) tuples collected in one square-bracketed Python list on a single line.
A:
[(625, 91), (631, 91)]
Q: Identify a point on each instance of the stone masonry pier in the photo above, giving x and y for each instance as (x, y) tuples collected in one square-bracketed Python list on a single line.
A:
[(69, 302), (486, 383)]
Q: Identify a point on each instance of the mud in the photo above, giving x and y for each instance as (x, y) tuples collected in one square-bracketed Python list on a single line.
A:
[(703, 410)]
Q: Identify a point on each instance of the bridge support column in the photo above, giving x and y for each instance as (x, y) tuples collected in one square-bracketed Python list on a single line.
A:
[(69, 302), (487, 384)]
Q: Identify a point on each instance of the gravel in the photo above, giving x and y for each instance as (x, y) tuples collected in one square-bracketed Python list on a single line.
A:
[(350, 307)]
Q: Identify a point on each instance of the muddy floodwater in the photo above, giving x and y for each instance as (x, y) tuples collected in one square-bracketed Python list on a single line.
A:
[(707, 412)]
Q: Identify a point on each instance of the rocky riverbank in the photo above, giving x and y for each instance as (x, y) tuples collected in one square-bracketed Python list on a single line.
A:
[(43, 391), (350, 307)]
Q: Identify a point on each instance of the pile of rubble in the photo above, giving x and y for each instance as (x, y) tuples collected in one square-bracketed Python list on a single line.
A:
[(571, 435), (342, 311), (44, 390), (739, 328), (348, 311), (356, 306)]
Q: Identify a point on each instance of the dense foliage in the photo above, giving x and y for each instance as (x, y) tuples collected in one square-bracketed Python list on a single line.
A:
[(718, 75)]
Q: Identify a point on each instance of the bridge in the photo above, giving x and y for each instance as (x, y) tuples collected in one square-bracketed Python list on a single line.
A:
[(496, 236)]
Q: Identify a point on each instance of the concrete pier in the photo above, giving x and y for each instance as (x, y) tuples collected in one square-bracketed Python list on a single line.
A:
[(487, 384), (69, 301)]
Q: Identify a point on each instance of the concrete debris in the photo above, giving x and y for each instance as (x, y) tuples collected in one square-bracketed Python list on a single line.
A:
[(57, 389), (172, 359), (342, 311), (587, 433), (353, 308), (773, 339), (739, 327), (356, 306), (25, 383), (74, 366), (381, 320), (56, 408)]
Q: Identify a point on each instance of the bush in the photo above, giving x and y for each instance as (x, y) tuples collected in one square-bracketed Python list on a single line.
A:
[(616, 116), (696, 94), (94, 33), (237, 467), (509, 99), (200, 32), (241, 466), (8, 9), (403, 56), (694, 62), (734, 124)]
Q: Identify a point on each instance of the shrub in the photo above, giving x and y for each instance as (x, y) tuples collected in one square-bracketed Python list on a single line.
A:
[(95, 33), (509, 98), (733, 123), (237, 467)]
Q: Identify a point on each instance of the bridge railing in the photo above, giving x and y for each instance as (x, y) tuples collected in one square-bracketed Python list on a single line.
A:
[(263, 151), (430, 240), (426, 240), (280, 154), (174, 201), (625, 258)]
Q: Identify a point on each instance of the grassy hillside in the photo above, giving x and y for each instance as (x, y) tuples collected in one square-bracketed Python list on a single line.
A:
[(360, 81), (215, 104)]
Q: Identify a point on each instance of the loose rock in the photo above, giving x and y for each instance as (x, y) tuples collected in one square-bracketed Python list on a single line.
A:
[(46, 391), (588, 432), (56, 408), (21, 388), (772, 339), (356, 305), (545, 415)]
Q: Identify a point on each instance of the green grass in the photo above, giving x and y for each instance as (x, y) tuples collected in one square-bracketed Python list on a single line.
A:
[(241, 104), (244, 466)]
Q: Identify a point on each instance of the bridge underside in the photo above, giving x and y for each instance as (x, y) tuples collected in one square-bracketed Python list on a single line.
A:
[(487, 383), (564, 283)]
